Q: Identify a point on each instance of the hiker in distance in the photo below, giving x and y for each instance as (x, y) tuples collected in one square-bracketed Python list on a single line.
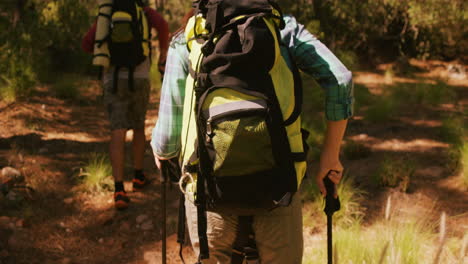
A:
[(120, 40), (230, 110)]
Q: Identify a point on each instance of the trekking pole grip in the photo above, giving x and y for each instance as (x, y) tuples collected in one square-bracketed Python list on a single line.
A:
[(332, 204)]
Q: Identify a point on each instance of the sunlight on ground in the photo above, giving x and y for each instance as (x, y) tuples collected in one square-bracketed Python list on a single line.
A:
[(419, 122), (375, 81), (416, 145), (78, 136)]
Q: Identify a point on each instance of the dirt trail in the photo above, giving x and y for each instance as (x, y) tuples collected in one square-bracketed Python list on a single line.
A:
[(48, 139)]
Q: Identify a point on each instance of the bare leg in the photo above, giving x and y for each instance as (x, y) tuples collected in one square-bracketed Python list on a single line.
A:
[(117, 153), (139, 142)]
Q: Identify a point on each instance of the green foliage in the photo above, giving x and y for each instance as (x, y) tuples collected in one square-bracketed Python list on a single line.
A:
[(348, 58), (362, 97), (383, 109), (452, 130), (395, 172), (67, 86), (423, 93), (391, 241), (66, 21), (409, 241), (386, 28), (41, 38), (313, 119), (96, 174), (155, 77), (173, 11), (351, 197), (464, 163)]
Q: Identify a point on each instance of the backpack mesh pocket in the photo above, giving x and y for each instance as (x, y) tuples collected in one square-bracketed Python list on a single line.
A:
[(242, 146)]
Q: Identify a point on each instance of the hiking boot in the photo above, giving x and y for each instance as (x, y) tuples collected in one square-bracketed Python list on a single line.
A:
[(139, 184), (121, 200)]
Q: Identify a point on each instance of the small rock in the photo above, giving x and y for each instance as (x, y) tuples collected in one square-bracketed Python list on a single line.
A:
[(62, 225), (146, 226), (68, 200), (68, 230), (43, 106), (141, 218), (101, 240), (9, 173)]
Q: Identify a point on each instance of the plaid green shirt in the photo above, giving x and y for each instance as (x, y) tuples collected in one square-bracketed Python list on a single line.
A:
[(310, 55)]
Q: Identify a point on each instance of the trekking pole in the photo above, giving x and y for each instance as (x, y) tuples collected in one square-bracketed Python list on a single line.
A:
[(164, 176), (332, 205)]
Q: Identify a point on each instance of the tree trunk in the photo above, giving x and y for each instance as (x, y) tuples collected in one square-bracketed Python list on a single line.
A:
[(17, 14)]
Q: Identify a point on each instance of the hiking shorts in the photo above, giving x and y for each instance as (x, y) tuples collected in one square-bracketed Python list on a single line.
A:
[(127, 109), (278, 233)]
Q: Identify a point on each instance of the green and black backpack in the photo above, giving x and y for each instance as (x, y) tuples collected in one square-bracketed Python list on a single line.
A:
[(241, 136), (128, 38)]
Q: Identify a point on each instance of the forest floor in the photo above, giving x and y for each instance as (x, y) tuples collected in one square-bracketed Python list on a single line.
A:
[(48, 140)]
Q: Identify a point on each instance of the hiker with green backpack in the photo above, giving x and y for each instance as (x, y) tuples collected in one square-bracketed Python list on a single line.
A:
[(230, 110), (120, 40)]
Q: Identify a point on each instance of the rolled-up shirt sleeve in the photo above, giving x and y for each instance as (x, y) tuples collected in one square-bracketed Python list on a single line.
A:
[(314, 58), (165, 140)]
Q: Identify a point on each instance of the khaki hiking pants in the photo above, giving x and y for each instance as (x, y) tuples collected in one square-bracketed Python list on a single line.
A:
[(278, 233)]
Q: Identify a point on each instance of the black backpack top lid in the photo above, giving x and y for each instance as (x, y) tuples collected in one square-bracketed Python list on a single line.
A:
[(221, 12), (233, 8)]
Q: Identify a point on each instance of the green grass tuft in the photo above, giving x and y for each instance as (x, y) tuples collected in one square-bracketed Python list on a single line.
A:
[(96, 175), (395, 172), (406, 242), (351, 197)]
